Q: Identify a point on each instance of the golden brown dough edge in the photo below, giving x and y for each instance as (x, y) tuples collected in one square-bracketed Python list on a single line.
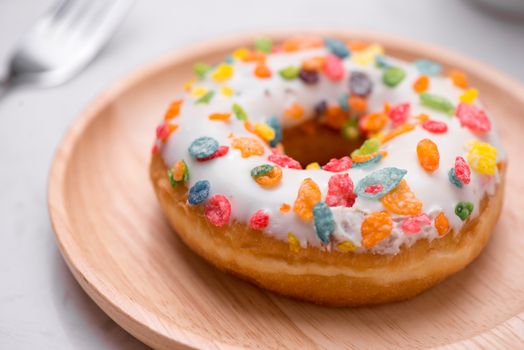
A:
[(330, 278)]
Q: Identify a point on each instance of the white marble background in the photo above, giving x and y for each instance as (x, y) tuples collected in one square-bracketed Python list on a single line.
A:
[(41, 305)]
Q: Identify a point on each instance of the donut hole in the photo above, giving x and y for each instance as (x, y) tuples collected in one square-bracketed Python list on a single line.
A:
[(312, 141)]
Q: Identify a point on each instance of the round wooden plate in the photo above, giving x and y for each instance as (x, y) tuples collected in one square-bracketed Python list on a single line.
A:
[(119, 247)]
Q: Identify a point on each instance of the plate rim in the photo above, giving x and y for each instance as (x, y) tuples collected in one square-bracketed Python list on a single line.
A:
[(80, 267)]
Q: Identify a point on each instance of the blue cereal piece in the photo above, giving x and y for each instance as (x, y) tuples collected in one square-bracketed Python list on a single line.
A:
[(203, 147), (388, 178), (324, 223), (381, 61), (453, 178), (277, 128), (367, 163), (337, 47), (428, 67), (343, 102), (198, 192)]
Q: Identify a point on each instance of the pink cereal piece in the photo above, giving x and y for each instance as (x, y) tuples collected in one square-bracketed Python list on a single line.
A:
[(472, 117), (413, 224), (218, 210), (374, 188), (340, 191), (155, 149), (399, 113), (220, 152), (259, 220), (435, 127), (333, 68), (162, 131), (462, 170), (284, 161), (337, 165)]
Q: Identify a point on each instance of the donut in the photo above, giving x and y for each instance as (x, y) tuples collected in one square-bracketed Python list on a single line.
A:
[(328, 171)]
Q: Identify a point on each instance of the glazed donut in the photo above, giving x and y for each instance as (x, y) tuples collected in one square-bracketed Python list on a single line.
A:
[(327, 171)]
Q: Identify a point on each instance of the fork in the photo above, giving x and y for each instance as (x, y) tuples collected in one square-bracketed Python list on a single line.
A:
[(63, 41)]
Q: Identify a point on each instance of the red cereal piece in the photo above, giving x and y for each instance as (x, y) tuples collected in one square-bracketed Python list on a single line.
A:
[(164, 130), (340, 191), (155, 149), (472, 117), (435, 127), (399, 113), (413, 224), (374, 189), (218, 210), (221, 151), (333, 68), (259, 220), (284, 161), (462, 170), (337, 165)]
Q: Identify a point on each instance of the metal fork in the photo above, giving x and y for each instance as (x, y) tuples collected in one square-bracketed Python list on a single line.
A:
[(63, 41)]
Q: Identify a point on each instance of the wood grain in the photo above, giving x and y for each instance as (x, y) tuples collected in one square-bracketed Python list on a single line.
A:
[(119, 247)]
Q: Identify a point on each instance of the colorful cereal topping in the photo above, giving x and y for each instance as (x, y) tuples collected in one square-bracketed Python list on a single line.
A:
[(164, 130), (218, 210), (259, 220), (393, 76), (222, 73), (435, 127), (262, 71), (205, 98), (463, 210), (388, 178), (462, 171), (199, 192), (469, 96), (346, 246), (421, 84), (267, 175), (340, 191), (376, 227), (174, 110), (360, 84), (428, 67), (220, 116), (333, 68), (248, 146), (413, 224), (442, 224), (459, 79), (294, 243), (309, 77), (239, 112), (337, 47), (201, 69), (178, 173), (482, 157), (289, 73), (399, 113), (264, 45), (203, 147), (399, 130), (308, 196), (295, 111), (220, 152), (284, 161), (453, 178), (284, 208), (265, 131), (428, 155), (373, 122), (324, 223), (338, 165), (473, 118), (402, 201), (437, 103)]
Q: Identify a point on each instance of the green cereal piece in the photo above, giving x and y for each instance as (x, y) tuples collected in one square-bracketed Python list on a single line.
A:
[(239, 112), (264, 45), (204, 99), (437, 103), (290, 72), (261, 170), (201, 69), (392, 76), (369, 146), (463, 210)]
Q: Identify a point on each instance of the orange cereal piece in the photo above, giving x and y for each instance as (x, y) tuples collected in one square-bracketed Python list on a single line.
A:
[(402, 201), (173, 110), (308, 196), (442, 224), (335, 117), (357, 45), (271, 179), (358, 104), (373, 122), (459, 79), (376, 227), (295, 111), (255, 56), (262, 71), (298, 43), (315, 63), (399, 130), (421, 84), (422, 117), (387, 107), (248, 146), (220, 116), (284, 208), (428, 156)]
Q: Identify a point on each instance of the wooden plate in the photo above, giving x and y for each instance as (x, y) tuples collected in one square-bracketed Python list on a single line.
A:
[(119, 247)]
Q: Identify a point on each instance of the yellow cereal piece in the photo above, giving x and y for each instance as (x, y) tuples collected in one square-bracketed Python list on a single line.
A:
[(294, 244), (222, 73), (198, 91), (227, 91), (188, 85), (313, 165), (482, 157), (367, 56), (264, 131), (240, 54), (346, 246), (469, 96)]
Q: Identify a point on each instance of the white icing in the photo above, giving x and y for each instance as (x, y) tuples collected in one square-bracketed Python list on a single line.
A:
[(263, 98)]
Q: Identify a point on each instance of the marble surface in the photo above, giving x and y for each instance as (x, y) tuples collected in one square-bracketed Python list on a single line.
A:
[(41, 305)]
